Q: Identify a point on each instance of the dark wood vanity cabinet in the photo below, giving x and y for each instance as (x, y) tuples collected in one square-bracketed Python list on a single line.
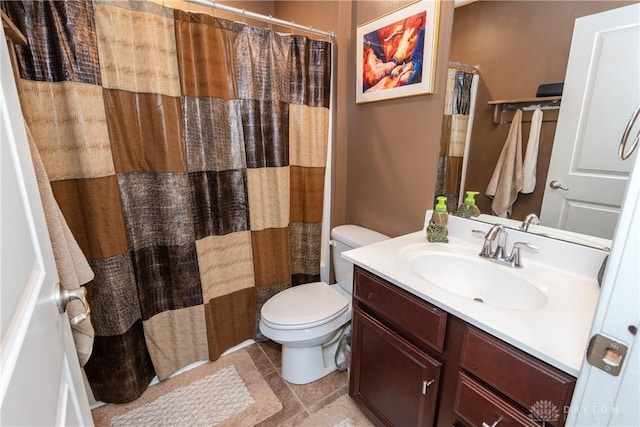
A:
[(415, 365)]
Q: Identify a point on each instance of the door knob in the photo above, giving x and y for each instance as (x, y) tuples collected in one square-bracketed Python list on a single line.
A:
[(557, 185), (64, 297)]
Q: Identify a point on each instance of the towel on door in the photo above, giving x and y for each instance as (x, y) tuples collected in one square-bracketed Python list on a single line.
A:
[(531, 155), (73, 268), (507, 177)]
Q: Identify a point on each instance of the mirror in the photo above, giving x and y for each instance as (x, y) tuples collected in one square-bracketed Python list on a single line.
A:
[(517, 46)]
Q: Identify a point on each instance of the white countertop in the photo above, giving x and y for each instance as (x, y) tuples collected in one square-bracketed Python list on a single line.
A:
[(556, 333)]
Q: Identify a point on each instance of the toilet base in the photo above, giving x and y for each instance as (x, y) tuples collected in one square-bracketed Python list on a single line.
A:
[(302, 365)]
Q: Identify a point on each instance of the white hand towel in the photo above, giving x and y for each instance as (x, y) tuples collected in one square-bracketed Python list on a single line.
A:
[(531, 155), (507, 177)]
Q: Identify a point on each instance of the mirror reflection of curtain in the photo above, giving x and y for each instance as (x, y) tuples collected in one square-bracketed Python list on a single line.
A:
[(187, 154), (456, 127)]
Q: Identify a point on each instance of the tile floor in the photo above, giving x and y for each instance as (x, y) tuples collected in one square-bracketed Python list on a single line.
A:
[(298, 401)]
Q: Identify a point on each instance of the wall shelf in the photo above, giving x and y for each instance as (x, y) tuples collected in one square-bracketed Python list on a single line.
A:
[(525, 104)]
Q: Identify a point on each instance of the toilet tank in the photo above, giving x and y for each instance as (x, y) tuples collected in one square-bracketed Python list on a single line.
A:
[(345, 238)]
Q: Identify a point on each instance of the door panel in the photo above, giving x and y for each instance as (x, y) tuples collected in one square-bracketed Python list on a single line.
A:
[(601, 91), (612, 93)]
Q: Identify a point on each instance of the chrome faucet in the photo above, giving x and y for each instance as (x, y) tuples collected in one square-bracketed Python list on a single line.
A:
[(528, 220), (497, 231), (499, 254)]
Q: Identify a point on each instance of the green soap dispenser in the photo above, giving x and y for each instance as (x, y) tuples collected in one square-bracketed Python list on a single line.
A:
[(468, 208), (437, 228)]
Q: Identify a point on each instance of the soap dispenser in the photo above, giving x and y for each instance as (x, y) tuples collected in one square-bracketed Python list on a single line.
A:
[(468, 208), (437, 228)]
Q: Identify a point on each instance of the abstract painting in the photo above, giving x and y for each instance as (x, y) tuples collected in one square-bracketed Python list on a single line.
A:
[(396, 53)]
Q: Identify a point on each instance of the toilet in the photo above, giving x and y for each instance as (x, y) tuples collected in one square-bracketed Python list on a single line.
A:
[(308, 320)]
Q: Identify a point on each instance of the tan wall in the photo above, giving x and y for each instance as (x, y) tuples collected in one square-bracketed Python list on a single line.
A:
[(517, 45), (393, 145)]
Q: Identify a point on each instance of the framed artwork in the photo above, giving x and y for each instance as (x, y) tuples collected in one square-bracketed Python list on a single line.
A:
[(396, 53)]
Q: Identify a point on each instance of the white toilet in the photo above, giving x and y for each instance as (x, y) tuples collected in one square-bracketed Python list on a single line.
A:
[(308, 319)]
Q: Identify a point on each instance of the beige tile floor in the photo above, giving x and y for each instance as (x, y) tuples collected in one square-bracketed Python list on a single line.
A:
[(298, 401)]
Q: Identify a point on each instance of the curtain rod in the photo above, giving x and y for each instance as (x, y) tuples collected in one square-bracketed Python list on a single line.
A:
[(473, 68), (260, 17)]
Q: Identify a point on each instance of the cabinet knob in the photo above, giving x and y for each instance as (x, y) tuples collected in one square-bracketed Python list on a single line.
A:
[(426, 384)]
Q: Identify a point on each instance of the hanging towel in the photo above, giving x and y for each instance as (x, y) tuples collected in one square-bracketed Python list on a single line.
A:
[(507, 178), (73, 268), (531, 155)]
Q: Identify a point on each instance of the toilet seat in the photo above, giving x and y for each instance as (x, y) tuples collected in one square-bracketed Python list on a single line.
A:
[(304, 306)]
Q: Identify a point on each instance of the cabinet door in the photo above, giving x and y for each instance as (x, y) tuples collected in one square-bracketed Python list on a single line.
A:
[(391, 379)]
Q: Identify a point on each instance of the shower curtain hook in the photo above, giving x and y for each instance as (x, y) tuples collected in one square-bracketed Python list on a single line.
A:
[(244, 17), (213, 7), (270, 23), (292, 24)]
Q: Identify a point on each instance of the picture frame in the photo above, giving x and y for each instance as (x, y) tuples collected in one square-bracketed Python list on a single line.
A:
[(396, 53)]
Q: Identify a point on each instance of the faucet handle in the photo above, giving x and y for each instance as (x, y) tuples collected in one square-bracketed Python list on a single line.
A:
[(514, 259)]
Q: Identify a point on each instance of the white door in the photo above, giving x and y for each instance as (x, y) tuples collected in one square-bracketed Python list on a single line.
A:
[(40, 379), (602, 89), (602, 399)]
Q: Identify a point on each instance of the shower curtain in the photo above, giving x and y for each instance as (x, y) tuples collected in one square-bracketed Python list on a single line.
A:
[(187, 154), (455, 128)]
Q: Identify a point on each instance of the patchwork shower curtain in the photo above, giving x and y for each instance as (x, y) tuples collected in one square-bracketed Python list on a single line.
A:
[(187, 154), (455, 127)]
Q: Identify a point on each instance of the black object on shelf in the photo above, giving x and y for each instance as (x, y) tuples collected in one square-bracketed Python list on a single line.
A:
[(550, 89)]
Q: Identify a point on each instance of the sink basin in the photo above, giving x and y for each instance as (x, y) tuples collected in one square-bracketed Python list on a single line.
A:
[(479, 280)]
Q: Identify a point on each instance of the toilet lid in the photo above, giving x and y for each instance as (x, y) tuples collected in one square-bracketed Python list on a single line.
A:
[(303, 305)]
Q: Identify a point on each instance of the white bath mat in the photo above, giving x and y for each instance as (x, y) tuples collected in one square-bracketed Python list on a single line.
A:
[(208, 401), (229, 392)]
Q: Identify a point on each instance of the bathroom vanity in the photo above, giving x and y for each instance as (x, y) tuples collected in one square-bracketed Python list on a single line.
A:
[(426, 354), (413, 361)]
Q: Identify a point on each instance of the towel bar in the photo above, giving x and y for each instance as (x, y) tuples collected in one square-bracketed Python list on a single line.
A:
[(525, 104)]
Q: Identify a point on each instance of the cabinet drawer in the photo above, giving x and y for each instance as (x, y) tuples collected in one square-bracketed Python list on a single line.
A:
[(475, 405), (514, 373), (419, 318)]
